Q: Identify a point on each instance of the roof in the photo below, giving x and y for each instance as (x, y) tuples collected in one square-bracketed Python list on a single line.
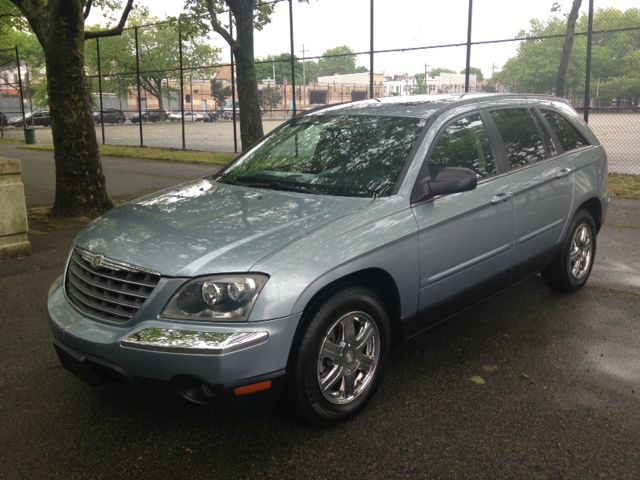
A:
[(418, 106)]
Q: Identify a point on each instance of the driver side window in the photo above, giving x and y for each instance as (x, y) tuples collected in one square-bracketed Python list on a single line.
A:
[(464, 143)]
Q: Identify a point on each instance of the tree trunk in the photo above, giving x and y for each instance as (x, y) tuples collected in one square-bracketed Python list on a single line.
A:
[(561, 78), (250, 115), (80, 183)]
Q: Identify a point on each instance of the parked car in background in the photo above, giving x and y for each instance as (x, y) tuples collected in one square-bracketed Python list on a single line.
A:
[(189, 116), (344, 231), (110, 115), (42, 118), (227, 113), (211, 116), (153, 115)]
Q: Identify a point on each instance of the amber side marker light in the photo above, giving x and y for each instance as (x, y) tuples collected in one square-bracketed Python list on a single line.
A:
[(253, 388)]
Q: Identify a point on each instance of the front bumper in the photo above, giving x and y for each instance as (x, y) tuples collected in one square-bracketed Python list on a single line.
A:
[(205, 356)]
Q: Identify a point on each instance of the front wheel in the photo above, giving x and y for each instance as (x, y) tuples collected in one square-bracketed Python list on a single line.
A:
[(341, 356), (572, 265)]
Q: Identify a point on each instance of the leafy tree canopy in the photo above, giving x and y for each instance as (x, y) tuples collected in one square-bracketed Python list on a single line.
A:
[(615, 55), (159, 56)]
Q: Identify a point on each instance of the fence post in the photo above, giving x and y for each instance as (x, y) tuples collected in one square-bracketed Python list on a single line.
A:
[(100, 87), (371, 92), (24, 120), (587, 78), (135, 30), (467, 70), (233, 88), (293, 60), (181, 66)]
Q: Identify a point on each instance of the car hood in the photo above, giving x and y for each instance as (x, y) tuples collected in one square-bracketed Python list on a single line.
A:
[(206, 227)]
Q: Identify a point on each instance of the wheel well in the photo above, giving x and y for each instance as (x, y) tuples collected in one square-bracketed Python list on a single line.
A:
[(594, 207), (375, 279)]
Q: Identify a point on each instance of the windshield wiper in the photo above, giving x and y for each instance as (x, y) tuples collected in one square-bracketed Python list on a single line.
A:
[(231, 181), (259, 182)]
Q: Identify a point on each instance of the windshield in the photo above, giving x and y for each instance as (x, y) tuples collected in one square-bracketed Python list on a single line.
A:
[(327, 154)]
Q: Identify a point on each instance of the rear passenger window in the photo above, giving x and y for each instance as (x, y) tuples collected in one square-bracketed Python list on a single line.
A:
[(520, 135), (569, 137), (464, 143)]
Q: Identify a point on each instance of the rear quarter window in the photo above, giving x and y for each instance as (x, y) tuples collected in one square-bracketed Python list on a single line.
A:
[(522, 140), (569, 137)]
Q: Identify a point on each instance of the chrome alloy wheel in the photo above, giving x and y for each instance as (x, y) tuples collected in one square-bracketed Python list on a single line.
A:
[(348, 357), (581, 252)]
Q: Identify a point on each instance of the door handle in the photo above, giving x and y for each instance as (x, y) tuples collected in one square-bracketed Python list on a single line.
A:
[(501, 197), (563, 172)]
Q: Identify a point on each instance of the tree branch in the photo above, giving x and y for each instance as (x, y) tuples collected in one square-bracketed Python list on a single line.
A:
[(87, 8), (112, 32), (217, 26)]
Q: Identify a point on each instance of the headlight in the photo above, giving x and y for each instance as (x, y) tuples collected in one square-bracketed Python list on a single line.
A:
[(220, 297)]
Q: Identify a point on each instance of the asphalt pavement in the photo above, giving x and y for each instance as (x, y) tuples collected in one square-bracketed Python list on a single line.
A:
[(126, 177), (561, 397)]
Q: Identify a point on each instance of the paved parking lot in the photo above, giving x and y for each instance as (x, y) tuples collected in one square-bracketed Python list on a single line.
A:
[(618, 133), (561, 398)]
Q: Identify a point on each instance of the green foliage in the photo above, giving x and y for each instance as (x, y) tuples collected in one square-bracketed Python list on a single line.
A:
[(281, 65), (220, 92), (439, 70), (615, 55), (336, 61), (474, 71), (269, 97), (159, 57)]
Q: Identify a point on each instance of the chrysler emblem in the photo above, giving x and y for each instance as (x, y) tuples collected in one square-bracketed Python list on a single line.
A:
[(97, 261)]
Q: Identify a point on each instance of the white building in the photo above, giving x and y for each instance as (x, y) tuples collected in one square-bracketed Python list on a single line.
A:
[(400, 85), (450, 83)]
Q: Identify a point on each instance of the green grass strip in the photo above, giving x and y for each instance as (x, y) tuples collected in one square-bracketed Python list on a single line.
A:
[(151, 153)]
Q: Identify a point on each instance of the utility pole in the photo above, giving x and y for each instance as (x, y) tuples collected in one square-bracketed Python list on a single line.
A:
[(493, 69), (304, 75), (425, 78)]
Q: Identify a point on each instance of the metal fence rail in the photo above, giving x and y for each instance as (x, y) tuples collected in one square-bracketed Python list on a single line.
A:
[(187, 103)]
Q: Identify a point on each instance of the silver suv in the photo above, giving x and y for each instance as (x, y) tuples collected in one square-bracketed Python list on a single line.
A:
[(340, 234)]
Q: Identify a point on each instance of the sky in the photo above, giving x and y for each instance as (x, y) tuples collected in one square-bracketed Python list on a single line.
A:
[(323, 24)]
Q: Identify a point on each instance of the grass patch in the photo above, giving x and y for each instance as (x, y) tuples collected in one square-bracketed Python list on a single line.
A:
[(40, 220), (10, 141), (624, 186), (151, 153)]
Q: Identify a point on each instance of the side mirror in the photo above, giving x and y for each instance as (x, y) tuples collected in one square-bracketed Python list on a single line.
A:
[(448, 180)]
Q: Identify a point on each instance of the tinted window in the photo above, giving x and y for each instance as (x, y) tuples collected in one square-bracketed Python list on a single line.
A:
[(520, 135), (569, 137), (340, 155), (464, 143), (551, 147)]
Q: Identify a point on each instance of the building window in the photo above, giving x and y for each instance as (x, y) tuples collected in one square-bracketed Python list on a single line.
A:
[(187, 99)]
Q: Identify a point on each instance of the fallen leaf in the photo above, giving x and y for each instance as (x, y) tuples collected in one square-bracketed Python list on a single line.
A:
[(477, 380)]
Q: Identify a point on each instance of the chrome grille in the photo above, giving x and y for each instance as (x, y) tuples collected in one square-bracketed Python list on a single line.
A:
[(105, 288)]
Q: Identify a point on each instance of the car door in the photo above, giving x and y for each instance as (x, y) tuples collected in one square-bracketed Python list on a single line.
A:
[(541, 184), (465, 238)]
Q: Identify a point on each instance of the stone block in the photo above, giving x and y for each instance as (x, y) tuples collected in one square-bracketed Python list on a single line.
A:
[(13, 211)]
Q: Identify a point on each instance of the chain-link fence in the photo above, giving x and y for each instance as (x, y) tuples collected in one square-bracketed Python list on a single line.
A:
[(157, 85), (11, 88)]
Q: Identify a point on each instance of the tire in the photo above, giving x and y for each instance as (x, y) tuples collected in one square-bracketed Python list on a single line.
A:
[(344, 346), (571, 267)]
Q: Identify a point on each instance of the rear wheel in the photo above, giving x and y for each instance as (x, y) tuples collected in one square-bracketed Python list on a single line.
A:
[(340, 358), (572, 265)]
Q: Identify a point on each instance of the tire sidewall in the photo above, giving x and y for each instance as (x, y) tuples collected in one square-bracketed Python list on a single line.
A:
[(581, 218), (309, 397)]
